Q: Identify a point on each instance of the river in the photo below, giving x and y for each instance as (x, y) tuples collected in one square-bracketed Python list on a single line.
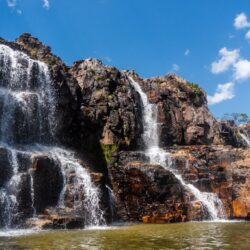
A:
[(192, 235)]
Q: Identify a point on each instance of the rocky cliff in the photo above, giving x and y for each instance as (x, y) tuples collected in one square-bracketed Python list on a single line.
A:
[(99, 116), (183, 113)]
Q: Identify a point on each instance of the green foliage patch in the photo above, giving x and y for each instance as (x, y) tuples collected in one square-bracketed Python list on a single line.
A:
[(108, 150), (195, 88)]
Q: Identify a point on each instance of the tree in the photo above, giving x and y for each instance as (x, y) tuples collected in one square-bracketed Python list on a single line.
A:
[(236, 117)]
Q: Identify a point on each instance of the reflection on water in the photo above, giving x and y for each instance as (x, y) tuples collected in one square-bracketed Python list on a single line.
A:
[(192, 235)]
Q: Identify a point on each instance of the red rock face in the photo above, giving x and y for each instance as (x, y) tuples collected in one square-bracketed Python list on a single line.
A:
[(219, 169), (150, 193)]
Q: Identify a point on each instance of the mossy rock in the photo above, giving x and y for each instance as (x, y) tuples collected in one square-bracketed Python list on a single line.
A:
[(108, 150)]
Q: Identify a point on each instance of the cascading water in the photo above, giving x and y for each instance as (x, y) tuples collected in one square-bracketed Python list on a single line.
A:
[(158, 156), (112, 203), (245, 139), (93, 215), (27, 124)]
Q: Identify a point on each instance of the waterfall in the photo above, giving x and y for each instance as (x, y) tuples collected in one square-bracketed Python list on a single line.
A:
[(112, 203), (27, 126), (93, 215), (245, 139), (158, 156)]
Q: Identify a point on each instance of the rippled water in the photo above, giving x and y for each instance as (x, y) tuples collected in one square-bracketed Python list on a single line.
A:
[(203, 235)]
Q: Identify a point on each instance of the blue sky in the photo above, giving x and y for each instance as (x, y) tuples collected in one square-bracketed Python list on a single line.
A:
[(204, 41)]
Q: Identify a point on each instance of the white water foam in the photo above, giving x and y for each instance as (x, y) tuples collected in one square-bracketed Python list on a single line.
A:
[(245, 139), (18, 232)]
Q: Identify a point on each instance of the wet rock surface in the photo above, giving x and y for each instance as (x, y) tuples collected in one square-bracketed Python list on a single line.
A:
[(230, 134), (218, 169), (5, 166), (150, 193), (47, 182)]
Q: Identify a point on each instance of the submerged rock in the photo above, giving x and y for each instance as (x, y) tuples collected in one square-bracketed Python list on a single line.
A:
[(53, 219)]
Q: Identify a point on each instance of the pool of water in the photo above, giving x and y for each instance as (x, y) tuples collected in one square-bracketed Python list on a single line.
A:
[(193, 235)]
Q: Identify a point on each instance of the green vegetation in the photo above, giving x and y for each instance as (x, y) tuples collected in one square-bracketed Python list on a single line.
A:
[(195, 88), (108, 150), (238, 118)]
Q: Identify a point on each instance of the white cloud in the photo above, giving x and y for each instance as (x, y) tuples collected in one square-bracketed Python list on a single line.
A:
[(11, 3), (227, 59), (222, 93), (19, 12), (231, 59), (248, 35), (242, 69), (175, 67), (241, 22), (46, 4), (187, 51)]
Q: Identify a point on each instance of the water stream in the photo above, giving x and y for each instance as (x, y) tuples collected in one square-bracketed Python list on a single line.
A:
[(27, 126), (159, 156), (245, 139)]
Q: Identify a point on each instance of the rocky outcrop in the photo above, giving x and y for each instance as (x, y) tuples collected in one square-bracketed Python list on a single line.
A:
[(218, 169), (151, 193), (183, 112), (110, 111), (245, 128), (230, 134)]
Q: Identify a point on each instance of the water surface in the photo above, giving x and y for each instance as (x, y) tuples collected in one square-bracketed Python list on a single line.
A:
[(194, 235)]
